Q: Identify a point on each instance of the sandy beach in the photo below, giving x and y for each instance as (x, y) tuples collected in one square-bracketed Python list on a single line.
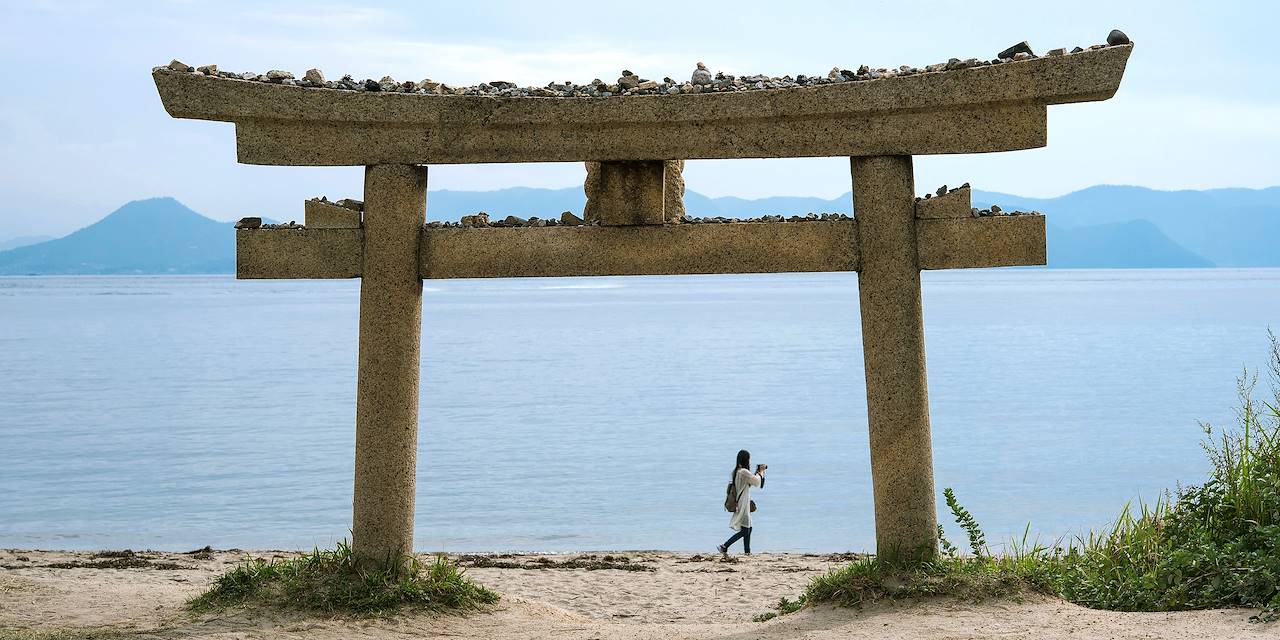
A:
[(56, 594)]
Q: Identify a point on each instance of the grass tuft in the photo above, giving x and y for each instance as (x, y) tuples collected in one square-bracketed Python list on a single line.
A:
[(331, 581), (784, 607)]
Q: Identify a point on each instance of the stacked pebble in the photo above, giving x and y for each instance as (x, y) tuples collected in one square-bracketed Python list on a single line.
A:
[(630, 84), (942, 191), (809, 217), (345, 203), (995, 210), (568, 219)]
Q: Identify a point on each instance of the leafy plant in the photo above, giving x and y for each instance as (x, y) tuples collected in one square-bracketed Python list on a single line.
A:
[(977, 540), (948, 549)]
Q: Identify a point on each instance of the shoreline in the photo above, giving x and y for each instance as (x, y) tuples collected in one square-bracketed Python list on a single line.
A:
[(601, 595)]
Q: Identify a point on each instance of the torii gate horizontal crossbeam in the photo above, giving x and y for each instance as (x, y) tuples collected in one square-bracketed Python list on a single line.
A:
[(640, 250)]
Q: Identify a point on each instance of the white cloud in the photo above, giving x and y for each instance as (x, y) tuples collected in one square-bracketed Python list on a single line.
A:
[(461, 63)]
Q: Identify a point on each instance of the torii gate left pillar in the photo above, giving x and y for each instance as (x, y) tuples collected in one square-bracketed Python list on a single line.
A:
[(395, 199)]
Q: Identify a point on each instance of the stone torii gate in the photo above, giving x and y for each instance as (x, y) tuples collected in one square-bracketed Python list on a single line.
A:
[(635, 146)]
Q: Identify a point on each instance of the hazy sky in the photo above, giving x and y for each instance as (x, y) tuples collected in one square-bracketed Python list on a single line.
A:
[(82, 130)]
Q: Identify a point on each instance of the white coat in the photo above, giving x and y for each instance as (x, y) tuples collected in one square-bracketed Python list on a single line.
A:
[(742, 483)]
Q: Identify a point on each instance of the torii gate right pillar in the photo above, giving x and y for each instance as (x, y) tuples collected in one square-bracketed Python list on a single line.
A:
[(893, 351)]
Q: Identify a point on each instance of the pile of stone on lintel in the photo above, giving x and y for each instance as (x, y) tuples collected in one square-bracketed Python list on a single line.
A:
[(568, 219), (630, 84), (963, 190)]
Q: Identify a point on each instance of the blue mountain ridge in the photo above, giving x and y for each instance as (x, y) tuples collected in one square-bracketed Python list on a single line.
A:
[(159, 235), (1097, 227), (22, 241)]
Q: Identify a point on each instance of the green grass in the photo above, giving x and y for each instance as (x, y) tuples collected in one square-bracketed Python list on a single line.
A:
[(1207, 546), (969, 577), (1212, 545), (330, 581)]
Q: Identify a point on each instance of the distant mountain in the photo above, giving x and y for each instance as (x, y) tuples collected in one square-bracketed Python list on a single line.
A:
[(159, 235), (1118, 245), (1228, 227), (22, 241), (1105, 226)]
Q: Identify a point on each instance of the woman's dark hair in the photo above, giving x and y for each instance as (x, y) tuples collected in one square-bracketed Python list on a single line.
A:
[(744, 462)]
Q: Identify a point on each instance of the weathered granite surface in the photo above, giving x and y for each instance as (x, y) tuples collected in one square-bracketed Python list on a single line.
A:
[(989, 108), (625, 193), (299, 253), (564, 251), (322, 214), (997, 128), (893, 352), (673, 190), (387, 385), (977, 242), (955, 203), (672, 211), (639, 250)]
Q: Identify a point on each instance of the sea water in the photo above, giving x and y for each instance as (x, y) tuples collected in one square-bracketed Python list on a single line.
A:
[(603, 413)]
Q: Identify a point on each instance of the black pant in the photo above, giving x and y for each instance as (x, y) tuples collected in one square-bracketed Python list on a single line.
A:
[(745, 534)]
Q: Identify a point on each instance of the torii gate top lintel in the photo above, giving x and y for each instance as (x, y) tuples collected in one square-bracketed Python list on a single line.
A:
[(969, 110), (634, 222)]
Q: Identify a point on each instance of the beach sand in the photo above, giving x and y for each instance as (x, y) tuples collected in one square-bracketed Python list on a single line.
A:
[(62, 594)]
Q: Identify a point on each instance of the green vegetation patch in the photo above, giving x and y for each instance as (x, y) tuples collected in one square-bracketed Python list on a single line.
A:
[(1208, 546), (331, 581), (784, 607), (972, 577), (968, 578)]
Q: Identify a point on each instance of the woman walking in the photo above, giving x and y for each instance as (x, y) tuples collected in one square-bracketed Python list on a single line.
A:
[(743, 480)]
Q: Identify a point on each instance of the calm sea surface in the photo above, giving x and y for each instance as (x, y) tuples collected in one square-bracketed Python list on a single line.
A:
[(604, 413)]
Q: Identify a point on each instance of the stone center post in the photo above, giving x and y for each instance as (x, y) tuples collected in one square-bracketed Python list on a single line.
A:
[(893, 352), (395, 199)]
